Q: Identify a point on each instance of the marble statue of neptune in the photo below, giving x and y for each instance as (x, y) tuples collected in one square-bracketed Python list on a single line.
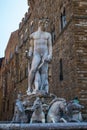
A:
[(41, 53)]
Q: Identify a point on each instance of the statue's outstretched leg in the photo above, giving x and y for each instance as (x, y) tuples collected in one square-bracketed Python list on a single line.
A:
[(33, 70), (37, 82), (44, 78)]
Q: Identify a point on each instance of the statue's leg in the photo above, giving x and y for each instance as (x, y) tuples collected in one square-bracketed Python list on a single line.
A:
[(44, 77), (34, 66), (37, 81)]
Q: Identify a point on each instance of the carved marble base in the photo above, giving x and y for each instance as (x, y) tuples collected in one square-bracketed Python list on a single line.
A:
[(46, 103)]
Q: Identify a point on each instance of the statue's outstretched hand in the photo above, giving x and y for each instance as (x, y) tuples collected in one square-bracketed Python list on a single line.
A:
[(48, 58), (28, 54)]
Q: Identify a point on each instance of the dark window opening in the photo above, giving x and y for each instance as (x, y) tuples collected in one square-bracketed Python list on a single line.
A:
[(13, 109), (53, 34), (31, 27), (63, 19), (61, 70), (8, 105), (21, 75), (5, 87), (3, 106), (26, 72)]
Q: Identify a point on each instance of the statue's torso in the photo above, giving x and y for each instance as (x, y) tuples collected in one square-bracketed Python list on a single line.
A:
[(40, 42)]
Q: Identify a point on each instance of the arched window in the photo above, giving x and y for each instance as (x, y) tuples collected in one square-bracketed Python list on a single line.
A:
[(63, 19), (31, 27), (53, 33)]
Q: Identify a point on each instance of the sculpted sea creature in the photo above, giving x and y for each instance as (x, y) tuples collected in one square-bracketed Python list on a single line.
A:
[(56, 110)]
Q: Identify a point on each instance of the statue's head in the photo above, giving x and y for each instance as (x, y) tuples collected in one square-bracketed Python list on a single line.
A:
[(43, 22)]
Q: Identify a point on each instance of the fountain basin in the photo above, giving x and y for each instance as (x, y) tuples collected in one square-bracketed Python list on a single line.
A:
[(44, 126)]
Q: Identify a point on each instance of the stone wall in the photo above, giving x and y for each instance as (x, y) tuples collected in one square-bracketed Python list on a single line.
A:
[(11, 46), (64, 51), (80, 38), (8, 78)]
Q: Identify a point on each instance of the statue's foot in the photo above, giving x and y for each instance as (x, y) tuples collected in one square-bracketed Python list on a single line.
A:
[(28, 92), (34, 91)]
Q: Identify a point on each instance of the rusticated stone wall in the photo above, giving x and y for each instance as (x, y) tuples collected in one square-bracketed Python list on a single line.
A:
[(64, 50), (8, 78), (11, 46), (80, 38)]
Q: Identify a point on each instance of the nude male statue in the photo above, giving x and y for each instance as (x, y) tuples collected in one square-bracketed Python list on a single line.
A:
[(41, 49)]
